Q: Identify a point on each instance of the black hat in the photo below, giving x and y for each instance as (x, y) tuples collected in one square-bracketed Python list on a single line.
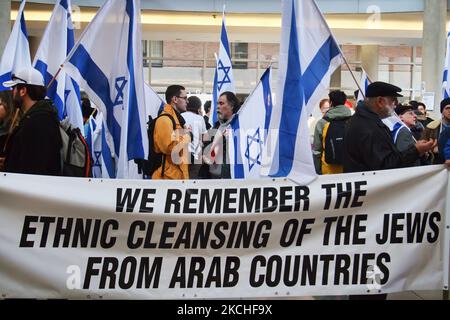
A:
[(382, 89), (402, 108), (444, 103)]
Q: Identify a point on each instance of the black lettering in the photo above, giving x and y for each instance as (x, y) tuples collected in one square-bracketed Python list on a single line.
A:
[(146, 275), (26, 231), (270, 202), (343, 194), (255, 281), (229, 199), (131, 243), (179, 274), (210, 202), (147, 200), (104, 242), (343, 262), (383, 237), (328, 194), (247, 203), (284, 197), (166, 234), (231, 276), (358, 229), (110, 266), (301, 196), (358, 193), (434, 218), (196, 272), (396, 226), (173, 199), (188, 201), (129, 199), (61, 231), (326, 235), (46, 221), (90, 271)]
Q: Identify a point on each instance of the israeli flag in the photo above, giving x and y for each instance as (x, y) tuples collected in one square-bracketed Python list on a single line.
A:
[(364, 83), (16, 55), (394, 123), (102, 164), (56, 43), (249, 128), (445, 80), (309, 55), (223, 76), (107, 64)]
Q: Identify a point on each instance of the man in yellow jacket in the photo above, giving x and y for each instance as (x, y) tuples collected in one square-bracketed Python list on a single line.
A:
[(172, 143)]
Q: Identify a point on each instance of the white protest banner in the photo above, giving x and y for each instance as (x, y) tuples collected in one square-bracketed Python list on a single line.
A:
[(361, 233)]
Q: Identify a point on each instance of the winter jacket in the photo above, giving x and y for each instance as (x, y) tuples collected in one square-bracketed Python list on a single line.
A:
[(35, 144), (168, 141), (368, 144), (337, 113)]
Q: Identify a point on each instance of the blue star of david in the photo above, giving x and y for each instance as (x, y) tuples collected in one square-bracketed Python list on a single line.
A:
[(252, 158), (121, 82), (97, 155), (226, 76)]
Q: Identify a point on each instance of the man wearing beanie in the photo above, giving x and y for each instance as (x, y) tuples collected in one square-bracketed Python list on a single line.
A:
[(434, 129)]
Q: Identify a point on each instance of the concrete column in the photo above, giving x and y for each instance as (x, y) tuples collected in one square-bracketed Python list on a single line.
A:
[(433, 47), (369, 60), (5, 23)]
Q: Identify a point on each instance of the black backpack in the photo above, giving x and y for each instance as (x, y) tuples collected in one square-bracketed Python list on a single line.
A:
[(155, 160), (75, 155), (334, 142)]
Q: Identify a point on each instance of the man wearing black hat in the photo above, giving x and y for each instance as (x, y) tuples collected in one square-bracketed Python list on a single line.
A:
[(435, 128), (368, 142), (404, 136)]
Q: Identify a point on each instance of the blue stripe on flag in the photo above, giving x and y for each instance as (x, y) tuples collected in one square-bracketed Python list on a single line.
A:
[(224, 39), (3, 78), (134, 139), (23, 26), (319, 66), (267, 93), (215, 98), (64, 4), (52, 90), (107, 159), (238, 164), (292, 104), (444, 78), (98, 82)]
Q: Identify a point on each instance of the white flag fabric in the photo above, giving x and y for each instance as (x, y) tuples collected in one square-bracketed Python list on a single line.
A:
[(364, 83), (223, 76), (394, 123), (309, 55), (16, 56), (153, 102), (445, 80), (107, 63), (102, 164), (249, 129), (56, 43)]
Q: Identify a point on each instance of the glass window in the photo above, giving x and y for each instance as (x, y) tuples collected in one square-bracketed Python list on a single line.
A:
[(239, 51)]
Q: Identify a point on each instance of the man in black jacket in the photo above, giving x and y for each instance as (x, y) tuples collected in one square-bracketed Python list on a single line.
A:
[(368, 144), (35, 144)]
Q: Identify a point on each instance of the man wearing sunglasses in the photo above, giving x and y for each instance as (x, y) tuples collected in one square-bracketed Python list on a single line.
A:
[(35, 143)]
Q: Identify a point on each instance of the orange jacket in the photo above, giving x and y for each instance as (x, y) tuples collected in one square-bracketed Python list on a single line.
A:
[(168, 141)]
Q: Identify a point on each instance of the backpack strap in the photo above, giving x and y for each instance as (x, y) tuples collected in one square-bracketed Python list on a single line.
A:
[(174, 126)]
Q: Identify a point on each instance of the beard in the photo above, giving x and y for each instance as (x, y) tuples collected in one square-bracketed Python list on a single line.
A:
[(17, 100)]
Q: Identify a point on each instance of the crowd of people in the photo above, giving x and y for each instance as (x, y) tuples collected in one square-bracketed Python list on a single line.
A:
[(345, 140), (362, 141)]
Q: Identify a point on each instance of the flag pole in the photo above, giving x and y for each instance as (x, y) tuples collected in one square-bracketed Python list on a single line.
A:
[(54, 78)]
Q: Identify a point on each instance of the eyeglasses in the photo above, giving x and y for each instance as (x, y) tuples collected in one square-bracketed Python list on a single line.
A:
[(184, 98)]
